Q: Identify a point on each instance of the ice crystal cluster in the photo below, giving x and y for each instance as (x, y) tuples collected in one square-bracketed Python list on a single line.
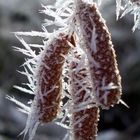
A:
[(124, 7), (75, 73)]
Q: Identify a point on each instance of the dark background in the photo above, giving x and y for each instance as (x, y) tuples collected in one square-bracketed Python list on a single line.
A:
[(118, 123)]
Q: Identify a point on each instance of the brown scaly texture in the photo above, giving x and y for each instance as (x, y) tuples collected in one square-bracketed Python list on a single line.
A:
[(49, 81), (85, 121), (101, 54)]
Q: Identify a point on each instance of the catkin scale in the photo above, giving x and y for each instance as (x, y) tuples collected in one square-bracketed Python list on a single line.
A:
[(101, 54), (86, 128), (49, 78)]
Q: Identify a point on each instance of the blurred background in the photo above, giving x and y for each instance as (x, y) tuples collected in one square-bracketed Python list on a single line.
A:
[(118, 123)]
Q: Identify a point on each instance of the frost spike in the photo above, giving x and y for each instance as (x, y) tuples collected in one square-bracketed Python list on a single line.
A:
[(101, 54), (118, 8)]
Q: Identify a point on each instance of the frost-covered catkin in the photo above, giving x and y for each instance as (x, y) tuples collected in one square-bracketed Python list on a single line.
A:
[(101, 55), (49, 78), (85, 112)]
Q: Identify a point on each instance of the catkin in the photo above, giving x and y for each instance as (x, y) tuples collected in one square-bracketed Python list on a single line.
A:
[(84, 118), (49, 78), (101, 55)]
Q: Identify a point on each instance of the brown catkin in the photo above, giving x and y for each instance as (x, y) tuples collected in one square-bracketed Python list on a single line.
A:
[(49, 78), (101, 54), (84, 120)]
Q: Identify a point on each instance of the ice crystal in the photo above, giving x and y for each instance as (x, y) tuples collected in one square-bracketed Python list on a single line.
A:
[(124, 7), (133, 7)]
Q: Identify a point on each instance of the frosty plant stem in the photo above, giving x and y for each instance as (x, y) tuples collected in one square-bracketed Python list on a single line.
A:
[(74, 73)]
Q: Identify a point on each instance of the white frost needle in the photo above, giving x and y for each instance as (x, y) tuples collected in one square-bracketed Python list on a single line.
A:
[(26, 46), (63, 125), (36, 46), (122, 102), (24, 107), (25, 52), (24, 90), (33, 34)]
